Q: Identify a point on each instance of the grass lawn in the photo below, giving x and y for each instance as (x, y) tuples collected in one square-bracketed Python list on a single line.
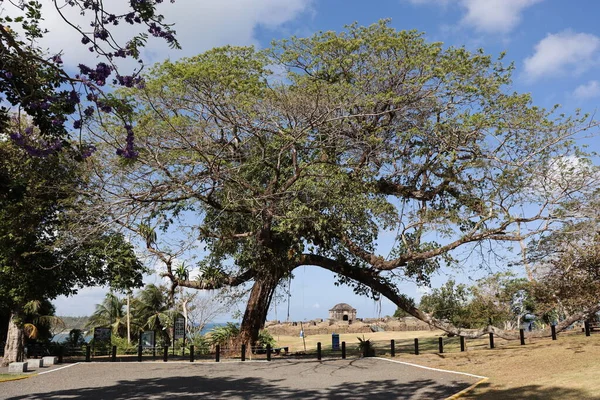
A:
[(568, 368)]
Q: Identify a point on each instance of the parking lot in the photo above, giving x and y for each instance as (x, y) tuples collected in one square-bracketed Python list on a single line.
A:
[(368, 378)]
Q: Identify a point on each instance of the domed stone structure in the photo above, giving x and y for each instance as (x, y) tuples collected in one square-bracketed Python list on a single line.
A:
[(343, 312)]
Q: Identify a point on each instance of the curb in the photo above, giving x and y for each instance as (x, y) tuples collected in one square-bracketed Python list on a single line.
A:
[(19, 378), (467, 390)]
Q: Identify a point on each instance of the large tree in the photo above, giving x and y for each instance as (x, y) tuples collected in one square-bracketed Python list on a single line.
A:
[(49, 245), (306, 152)]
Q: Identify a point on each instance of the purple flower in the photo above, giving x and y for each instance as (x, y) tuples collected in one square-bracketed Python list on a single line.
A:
[(88, 151), (129, 150), (16, 136), (8, 74), (73, 97)]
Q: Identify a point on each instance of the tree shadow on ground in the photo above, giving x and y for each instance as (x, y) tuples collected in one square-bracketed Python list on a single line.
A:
[(252, 388), (530, 392)]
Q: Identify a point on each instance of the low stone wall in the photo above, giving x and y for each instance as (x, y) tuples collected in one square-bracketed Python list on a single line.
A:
[(319, 326)]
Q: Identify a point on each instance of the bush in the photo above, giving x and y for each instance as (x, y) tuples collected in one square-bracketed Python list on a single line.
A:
[(122, 346), (265, 338), (224, 335), (366, 347), (201, 344)]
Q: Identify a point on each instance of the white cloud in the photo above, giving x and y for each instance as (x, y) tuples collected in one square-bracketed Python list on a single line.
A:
[(200, 25), (495, 15), (490, 16), (316, 305), (81, 304), (561, 51), (588, 90)]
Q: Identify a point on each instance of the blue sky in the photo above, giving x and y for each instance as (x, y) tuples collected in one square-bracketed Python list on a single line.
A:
[(555, 45)]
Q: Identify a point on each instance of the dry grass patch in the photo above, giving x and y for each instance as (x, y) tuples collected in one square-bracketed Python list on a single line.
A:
[(295, 343), (543, 369)]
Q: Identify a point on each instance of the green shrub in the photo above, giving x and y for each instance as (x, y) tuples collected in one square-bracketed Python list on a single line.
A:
[(366, 347), (201, 344), (224, 335), (265, 338), (122, 346)]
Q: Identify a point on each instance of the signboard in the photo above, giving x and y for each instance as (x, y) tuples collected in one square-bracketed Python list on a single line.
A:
[(147, 339), (102, 335), (179, 328)]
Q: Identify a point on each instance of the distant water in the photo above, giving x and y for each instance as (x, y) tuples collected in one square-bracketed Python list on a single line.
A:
[(210, 326), (63, 336)]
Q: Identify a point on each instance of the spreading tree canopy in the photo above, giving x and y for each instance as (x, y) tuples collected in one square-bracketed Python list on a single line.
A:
[(305, 153)]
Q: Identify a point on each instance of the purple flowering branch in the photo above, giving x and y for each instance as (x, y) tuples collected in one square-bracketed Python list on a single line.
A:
[(34, 82)]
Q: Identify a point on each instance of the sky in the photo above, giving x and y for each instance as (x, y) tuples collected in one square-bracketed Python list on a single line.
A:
[(554, 45)]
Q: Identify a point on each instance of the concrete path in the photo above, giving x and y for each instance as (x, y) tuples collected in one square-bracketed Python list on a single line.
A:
[(368, 378)]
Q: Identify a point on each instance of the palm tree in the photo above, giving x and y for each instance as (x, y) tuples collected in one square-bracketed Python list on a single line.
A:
[(109, 313), (150, 309), (40, 321)]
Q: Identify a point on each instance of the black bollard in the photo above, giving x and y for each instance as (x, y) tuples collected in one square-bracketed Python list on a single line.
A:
[(462, 343), (140, 353), (61, 350), (113, 357), (343, 350), (243, 352), (88, 352), (587, 328), (553, 330), (192, 353), (165, 353), (522, 336), (392, 348), (268, 352), (441, 344), (491, 340), (416, 347), (217, 353), (319, 351)]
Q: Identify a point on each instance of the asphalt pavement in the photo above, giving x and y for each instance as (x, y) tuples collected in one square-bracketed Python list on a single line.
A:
[(366, 378)]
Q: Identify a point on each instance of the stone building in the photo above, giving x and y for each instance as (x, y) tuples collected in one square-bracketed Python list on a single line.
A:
[(342, 312)]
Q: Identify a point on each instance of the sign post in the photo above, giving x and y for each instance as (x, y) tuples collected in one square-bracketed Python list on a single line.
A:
[(178, 330), (147, 339), (102, 339)]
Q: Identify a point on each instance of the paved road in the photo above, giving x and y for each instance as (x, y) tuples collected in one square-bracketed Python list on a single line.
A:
[(368, 378)]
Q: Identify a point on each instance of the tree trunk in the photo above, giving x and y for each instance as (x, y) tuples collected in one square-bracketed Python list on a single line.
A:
[(128, 319), (257, 308), (14, 350), (184, 311)]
